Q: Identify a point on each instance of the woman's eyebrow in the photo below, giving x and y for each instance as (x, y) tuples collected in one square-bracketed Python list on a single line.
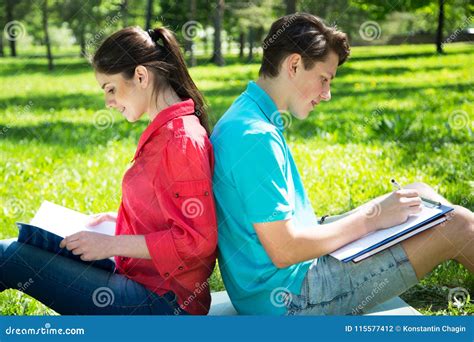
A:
[(103, 85)]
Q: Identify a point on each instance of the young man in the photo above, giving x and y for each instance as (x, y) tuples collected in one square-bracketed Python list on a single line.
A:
[(273, 253)]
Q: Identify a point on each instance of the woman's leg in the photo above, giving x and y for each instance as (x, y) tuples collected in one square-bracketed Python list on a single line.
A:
[(453, 239), (72, 287)]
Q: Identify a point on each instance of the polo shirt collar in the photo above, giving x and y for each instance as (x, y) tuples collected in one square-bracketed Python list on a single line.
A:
[(185, 107), (266, 104)]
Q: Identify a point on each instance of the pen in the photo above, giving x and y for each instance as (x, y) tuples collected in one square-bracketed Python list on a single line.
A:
[(395, 184)]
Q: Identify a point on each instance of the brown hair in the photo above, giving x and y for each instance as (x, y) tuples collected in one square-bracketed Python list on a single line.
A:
[(304, 34), (157, 50)]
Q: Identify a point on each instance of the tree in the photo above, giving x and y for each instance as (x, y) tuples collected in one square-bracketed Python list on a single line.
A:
[(44, 10), (290, 6), (149, 14), (439, 31), (9, 5), (217, 57)]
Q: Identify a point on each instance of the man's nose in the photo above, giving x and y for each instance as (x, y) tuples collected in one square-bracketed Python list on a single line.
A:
[(326, 95)]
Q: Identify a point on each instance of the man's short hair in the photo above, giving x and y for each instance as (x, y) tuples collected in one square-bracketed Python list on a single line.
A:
[(306, 35)]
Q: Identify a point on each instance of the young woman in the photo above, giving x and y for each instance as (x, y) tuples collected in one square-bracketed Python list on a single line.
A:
[(166, 231), (271, 246)]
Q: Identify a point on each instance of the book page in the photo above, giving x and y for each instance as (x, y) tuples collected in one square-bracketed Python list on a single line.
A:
[(64, 222), (382, 234)]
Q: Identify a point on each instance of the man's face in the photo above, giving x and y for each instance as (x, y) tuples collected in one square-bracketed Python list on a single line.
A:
[(310, 87)]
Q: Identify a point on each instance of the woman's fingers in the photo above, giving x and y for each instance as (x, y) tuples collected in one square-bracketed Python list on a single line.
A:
[(407, 193), (411, 201), (96, 219)]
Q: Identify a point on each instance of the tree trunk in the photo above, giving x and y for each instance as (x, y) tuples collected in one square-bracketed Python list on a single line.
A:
[(9, 15), (241, 44), (82, 42), (149, 13), (290, 6), (46, 35), (439, 33), (217, 57), (251, 40), (192, 57), (124, 10), (2, 54)]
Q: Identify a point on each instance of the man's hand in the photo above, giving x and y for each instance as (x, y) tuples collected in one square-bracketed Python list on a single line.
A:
[(89, 245)]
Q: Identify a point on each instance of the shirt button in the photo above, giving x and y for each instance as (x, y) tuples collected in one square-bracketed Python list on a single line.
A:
[(180, 268), (176, 195), (167, 275), (206, 193)]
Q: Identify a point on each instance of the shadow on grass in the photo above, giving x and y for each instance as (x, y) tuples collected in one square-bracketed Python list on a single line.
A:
[(79, 137)]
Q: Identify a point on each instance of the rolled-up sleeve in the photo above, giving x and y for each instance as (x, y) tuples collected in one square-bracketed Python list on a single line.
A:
[(183, 187)]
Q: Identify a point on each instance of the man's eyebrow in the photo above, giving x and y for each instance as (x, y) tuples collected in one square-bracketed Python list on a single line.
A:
[(103, 85), (330, 74)]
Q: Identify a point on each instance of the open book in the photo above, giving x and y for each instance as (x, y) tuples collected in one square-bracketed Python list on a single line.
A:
[(384, 238), (52, 223)]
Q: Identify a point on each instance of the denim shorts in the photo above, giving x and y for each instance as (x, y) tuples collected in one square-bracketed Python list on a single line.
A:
[(332, 287)]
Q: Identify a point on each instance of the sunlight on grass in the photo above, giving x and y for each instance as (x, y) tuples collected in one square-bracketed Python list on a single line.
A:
[(407, 116)]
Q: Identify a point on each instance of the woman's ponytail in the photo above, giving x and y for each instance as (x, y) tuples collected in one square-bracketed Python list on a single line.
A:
[(179, 79)]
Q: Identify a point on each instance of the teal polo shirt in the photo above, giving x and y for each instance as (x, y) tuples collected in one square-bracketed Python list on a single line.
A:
[(255, 181)]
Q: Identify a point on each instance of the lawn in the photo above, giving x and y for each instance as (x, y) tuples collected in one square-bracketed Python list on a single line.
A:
[(399, 112)]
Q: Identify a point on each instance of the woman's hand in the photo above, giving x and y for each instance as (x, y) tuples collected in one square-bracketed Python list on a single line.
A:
[(89, 245), (393, 209), (101, 217)]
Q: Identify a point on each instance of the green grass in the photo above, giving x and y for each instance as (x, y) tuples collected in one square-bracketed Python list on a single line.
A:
[(399, 112)]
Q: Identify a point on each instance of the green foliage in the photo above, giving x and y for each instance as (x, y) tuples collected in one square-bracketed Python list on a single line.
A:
[(399, 112)]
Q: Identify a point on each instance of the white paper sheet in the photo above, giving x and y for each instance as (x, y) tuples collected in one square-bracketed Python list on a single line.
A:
[(380, 235), (64, 222)]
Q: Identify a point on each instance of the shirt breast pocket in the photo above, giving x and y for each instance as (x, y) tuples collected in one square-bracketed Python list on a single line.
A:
[(194, 201)]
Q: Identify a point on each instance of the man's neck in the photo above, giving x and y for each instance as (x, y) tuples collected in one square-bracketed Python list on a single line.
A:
[(275, 90)]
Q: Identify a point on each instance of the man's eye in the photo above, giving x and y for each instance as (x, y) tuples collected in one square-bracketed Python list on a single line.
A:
[(110, 91)]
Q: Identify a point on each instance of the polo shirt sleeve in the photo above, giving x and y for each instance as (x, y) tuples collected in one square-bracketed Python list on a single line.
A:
[(259, 171)]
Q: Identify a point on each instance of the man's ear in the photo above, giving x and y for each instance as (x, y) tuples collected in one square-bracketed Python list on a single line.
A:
[(293, 62), (142, 76)]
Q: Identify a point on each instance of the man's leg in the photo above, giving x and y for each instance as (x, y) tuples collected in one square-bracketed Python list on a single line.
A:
[(453, 239)]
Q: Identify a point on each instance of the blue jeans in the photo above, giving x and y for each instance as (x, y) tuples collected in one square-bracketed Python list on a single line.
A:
[(72, 287)]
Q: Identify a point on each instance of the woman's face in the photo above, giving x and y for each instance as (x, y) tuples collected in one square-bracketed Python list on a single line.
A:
[(127, 96)]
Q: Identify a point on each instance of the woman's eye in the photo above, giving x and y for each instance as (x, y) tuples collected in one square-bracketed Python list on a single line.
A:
[(110, 91)]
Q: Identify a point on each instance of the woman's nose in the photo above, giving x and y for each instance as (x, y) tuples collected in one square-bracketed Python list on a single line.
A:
[(109, 103)]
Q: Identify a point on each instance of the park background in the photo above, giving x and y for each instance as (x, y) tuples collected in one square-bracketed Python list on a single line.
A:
[(401, 107)]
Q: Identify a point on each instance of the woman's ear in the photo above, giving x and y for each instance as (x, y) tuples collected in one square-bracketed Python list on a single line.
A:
[(142, 76)]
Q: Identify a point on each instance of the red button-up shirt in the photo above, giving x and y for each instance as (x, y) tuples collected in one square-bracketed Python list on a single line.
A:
[(167, 197)]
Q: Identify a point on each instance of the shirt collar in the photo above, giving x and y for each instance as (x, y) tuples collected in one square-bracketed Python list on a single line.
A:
[(266, 104), (185, 107)]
